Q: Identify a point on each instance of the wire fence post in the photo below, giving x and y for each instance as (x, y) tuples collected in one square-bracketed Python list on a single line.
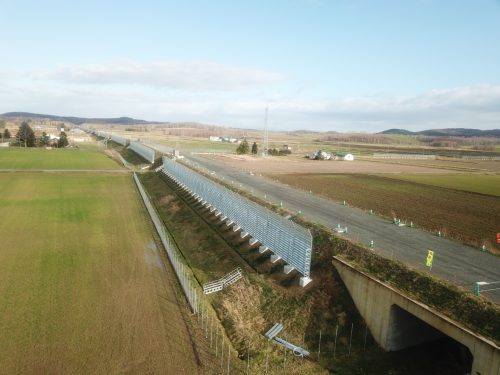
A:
[(366, 335), (248, 357), (198, 308), (350, 339), (211, 329), (335, 343), (202, 318), (216, 339), (267, 358), (284, 360), (319, 345), (206, 324), (222, 353)]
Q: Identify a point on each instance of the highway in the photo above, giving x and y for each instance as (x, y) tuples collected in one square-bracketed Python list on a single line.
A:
[(453, 261)]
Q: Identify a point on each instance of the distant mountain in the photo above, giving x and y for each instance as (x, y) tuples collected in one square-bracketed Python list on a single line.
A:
[(451, 132), (302, 131), (76, 120), (397, 131)]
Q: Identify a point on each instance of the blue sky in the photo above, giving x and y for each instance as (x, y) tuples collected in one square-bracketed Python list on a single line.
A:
[(345, 65)]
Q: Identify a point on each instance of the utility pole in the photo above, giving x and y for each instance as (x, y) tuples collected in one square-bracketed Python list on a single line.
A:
[(265, 140)]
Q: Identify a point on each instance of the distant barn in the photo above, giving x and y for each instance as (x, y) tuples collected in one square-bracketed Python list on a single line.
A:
[(344, 156)]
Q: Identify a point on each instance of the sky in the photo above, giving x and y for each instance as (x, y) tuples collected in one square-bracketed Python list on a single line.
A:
[(323, 65)]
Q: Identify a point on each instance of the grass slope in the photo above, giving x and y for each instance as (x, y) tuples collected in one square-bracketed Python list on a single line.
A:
[(40, 158), (82, 284)]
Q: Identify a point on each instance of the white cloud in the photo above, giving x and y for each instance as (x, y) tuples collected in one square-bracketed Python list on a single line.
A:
[(472, 106), (188, 76)]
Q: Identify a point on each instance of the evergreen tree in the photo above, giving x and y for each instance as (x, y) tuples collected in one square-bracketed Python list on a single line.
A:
[(254, 148), (25, 135), (63, 140), (44, 141), (243, 148), (6, 134)]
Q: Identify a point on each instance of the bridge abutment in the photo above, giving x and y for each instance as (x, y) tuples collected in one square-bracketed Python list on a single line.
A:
[(397, 321)]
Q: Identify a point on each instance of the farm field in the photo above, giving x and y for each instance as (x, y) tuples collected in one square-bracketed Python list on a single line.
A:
[(477, 183), (453, 165), (83, 287), (85, 158), (469, 217), (299, 164)]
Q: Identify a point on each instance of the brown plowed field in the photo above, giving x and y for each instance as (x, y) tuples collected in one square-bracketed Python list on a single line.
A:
[(295, 164), (470, 217)]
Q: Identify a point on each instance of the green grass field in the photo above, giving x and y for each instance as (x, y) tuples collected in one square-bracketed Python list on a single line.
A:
[(38, 158), (83, 287)]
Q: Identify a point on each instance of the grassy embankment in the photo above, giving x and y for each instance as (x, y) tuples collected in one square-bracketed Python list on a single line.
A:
[(464, 207), (82, 283), (249, 308)]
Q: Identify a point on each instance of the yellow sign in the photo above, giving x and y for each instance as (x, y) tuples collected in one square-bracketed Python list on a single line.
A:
[(430, 256)]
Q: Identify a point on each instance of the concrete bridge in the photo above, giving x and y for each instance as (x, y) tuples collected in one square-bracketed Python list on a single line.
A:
[(398, 322)]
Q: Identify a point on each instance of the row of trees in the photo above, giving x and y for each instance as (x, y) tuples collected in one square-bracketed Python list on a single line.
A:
[(25, 137), (6, 134), (244, 148)]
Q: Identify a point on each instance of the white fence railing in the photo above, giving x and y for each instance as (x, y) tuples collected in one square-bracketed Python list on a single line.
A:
[(224, 282), (468, 157), (378, 155)]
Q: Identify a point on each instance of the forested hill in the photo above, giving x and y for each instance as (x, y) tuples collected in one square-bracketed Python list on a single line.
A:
[(451, 132), (74, 120)]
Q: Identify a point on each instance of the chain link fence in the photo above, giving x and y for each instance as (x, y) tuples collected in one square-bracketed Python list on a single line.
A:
[(222, 356)]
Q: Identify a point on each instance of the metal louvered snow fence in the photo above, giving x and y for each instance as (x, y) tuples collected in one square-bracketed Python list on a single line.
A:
[(146, 152), (102, 134), (284, 238), (120, 140)]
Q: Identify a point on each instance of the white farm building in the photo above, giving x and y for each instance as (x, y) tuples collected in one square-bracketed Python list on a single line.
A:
[(344, 156)]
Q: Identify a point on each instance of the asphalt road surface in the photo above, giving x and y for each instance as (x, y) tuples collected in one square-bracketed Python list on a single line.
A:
[(455, 262)]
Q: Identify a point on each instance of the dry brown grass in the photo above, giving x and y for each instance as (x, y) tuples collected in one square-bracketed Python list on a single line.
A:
[(298, 164)]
